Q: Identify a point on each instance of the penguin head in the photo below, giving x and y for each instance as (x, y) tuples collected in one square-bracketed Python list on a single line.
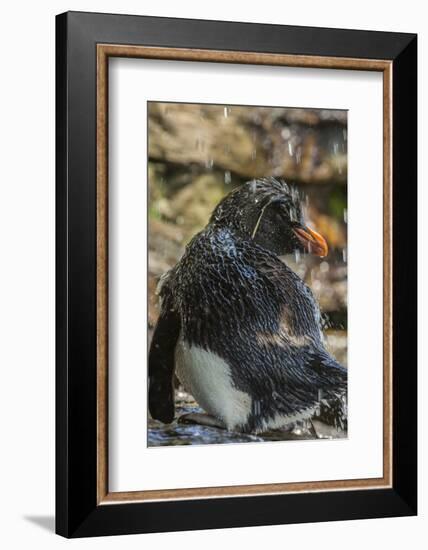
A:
[(270, 212)]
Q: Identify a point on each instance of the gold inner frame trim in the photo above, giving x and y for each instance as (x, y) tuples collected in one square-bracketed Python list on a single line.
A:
[(104, 51)]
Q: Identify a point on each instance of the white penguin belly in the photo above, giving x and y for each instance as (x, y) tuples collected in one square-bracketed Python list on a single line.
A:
[(207, 377)]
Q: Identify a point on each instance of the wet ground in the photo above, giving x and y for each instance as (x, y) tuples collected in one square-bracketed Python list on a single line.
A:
[(178, 433)]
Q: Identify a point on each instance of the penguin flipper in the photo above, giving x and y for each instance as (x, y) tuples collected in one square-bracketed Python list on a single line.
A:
[(161, 364), (306, 384), (329, 379), (332, 411)]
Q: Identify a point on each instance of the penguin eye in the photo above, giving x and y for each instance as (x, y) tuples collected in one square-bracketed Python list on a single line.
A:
[(278, 212), (285, 211), (281, 212)]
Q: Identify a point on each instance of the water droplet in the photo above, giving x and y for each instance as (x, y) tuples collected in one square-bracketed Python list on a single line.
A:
[(226, 112), (285, 133), (227, 177), (297, 255), (324, 267), (345, 215), (290, 148), (345, 255)]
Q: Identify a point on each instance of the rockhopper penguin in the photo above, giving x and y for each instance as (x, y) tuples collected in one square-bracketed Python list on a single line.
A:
[(239, 328)]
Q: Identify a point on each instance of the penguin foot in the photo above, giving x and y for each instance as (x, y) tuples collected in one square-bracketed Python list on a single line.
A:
[(202, 419)]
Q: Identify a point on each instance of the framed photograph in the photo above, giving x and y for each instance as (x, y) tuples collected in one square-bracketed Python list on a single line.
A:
[(236, 274)]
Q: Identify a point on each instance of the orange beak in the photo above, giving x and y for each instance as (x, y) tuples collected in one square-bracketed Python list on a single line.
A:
[(312, 241)]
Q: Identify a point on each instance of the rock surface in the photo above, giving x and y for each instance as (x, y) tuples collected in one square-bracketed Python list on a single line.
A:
[(302, 144)]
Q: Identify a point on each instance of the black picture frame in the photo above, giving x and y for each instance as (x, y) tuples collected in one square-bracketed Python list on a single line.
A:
[(77, 512)]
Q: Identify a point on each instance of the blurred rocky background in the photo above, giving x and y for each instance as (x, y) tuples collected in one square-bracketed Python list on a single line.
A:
[(198, 153)]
